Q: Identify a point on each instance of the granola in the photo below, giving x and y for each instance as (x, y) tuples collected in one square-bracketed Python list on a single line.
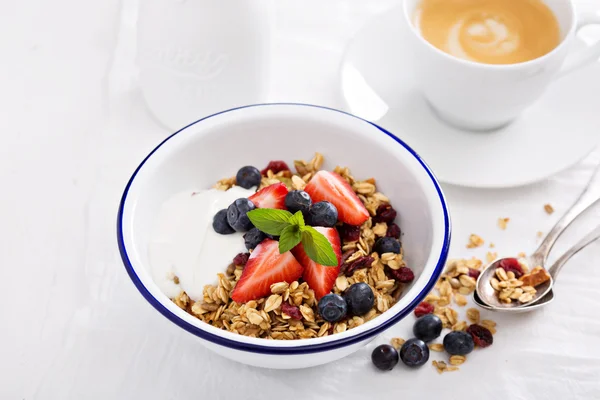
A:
[(290, 311)]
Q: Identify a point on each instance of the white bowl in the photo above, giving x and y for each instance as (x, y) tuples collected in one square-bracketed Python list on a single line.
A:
[(217, 146)]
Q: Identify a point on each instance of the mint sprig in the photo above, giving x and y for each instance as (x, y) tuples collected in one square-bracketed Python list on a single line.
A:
[(292, 230)]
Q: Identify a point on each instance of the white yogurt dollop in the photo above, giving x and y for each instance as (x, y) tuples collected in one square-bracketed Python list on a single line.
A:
[(184, 243)]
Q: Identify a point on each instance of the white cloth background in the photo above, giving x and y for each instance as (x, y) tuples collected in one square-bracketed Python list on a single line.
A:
[(72, 326)]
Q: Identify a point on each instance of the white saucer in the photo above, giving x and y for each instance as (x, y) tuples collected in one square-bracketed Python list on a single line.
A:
[(556, 132)]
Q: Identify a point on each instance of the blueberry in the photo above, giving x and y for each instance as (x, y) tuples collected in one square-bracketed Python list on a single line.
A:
[(428, 327), (458, 343), (253, 237), (298, 200), (384, 357), (220, 224), (332, 307), (414, 352), (323, 213), (247, 177), (387, 245), (359, 298), (236, 214)]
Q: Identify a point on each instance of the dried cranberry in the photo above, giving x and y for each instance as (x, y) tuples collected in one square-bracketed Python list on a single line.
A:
[(423, 309), (346, 255), (361, 262), (403, 274), (481, 335), (474, 273), (385, 213), (349, 233), (511, 264), (330, 330), (292, 311), (275, 167), (241, 259), (393, 231)]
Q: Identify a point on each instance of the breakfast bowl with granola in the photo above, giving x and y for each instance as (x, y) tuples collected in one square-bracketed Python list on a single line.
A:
[(283, 235)]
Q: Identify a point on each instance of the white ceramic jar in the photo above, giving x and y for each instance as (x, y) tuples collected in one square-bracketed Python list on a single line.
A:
[(197, 57)]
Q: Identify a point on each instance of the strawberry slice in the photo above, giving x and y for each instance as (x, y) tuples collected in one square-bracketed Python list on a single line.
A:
[(272, 196), (320, 278), (264, 268), (329, 186)]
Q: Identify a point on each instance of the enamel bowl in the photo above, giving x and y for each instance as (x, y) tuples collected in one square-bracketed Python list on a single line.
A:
[(217, 146)]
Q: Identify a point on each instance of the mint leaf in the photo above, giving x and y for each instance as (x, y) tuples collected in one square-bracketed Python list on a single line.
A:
[(297, 219), (270, 220), (289, 238), (317, 247)]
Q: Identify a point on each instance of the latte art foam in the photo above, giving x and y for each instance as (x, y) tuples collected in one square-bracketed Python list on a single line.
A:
[(489, 31)]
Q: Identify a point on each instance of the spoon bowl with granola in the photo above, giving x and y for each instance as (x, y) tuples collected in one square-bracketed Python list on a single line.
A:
[(273, 259)]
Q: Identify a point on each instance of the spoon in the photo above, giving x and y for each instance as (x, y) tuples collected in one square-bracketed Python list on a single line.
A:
[(544, 294), (484, 293)]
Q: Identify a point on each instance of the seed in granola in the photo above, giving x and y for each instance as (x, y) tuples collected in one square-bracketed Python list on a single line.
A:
[(467, 281), (436, 347), (385, 357), (502, 222), (460, 300), (459, 326), (397, 342), (473, 315), (457, 360), (548, 208), (475, 241), (458, 343), (385, 213)]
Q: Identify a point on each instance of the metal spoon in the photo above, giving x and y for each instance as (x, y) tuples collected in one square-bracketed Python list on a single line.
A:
[(486, 297), (544, 294)]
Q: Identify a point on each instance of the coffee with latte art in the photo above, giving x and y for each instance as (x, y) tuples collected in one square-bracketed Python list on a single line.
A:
[(489, 31)]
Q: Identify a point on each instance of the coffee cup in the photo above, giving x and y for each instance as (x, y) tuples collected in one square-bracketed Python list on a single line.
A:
[(474, 95)]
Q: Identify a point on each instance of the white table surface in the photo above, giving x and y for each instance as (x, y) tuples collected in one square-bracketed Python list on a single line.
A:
[(74, 327)]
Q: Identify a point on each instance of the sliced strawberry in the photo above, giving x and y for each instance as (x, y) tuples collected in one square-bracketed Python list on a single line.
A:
[(329, 186), (320, 278), (264, 268), (272, 196)]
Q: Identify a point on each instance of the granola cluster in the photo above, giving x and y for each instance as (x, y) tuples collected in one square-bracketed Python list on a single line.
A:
[(290, 311)]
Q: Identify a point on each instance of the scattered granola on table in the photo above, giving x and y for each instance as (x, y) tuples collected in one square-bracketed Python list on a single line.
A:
[(360, 274), (548, 208), (475, 241), (502, 222)]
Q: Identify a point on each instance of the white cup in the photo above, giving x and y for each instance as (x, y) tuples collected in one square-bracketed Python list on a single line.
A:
[(477, 96)]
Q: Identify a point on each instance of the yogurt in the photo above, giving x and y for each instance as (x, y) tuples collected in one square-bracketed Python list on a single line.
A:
[(183, 242)]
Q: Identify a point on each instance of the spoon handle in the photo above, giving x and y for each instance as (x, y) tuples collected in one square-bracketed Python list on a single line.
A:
[(590, 196), (587, 239)]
